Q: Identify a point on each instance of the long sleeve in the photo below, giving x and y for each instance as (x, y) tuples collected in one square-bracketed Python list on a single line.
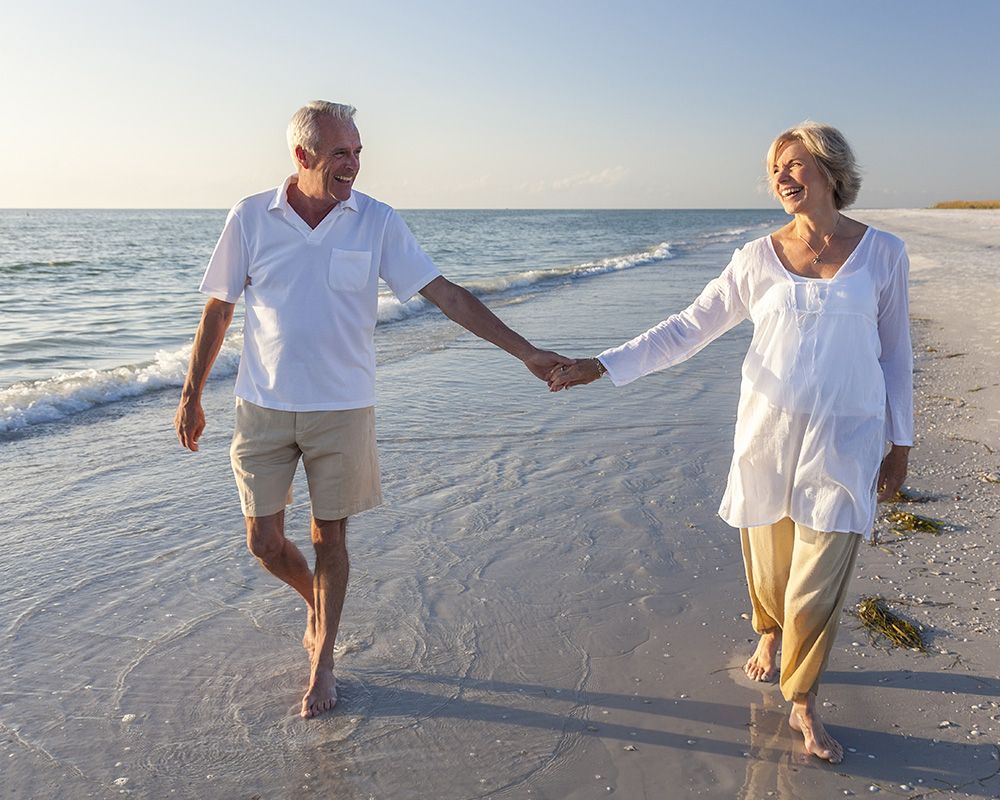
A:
[(896, 357), (718, 308)]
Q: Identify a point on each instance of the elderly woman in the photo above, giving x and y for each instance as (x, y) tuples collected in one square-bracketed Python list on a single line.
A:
[(825, 418)]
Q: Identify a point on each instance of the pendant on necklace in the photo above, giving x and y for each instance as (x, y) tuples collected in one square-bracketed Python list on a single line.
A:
[(816, 260)]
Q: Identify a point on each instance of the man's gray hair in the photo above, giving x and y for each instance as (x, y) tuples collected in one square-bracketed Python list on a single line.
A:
[(303, 127)]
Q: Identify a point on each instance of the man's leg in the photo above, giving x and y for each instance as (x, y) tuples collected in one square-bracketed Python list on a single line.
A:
[(338, 451), (329, 587), (266, 540)]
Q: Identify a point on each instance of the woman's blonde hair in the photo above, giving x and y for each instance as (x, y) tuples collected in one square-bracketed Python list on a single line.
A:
[(832, 153)]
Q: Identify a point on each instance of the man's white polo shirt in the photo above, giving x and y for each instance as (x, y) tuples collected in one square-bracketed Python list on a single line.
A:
[(311, 296)]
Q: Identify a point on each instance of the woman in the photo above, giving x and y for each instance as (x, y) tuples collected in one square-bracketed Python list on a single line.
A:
[(827, 384)]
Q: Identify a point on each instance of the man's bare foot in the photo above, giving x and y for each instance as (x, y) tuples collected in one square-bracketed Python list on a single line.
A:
[(817, 741), (309, 637), (322, 694), (762, 665)]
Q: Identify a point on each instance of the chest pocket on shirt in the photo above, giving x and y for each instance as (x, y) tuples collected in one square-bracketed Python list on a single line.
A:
[(348, 270)]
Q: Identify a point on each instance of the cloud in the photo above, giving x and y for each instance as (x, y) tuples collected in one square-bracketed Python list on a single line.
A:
[(609, 176)]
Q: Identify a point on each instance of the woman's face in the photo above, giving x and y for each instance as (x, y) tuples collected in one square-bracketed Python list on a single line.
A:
[(798, 181)]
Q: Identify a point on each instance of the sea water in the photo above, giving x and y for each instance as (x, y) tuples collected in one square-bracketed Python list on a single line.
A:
[(530, 544), (99, 306)]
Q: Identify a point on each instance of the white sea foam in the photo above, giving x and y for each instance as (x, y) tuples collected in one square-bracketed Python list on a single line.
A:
[(716, 237), (35, 402), (727, 232)]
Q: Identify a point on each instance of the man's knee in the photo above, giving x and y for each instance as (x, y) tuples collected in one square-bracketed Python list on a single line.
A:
[(329, 534), (266, 536)]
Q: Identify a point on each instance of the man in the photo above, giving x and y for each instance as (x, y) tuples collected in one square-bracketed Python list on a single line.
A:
[(307, 258)]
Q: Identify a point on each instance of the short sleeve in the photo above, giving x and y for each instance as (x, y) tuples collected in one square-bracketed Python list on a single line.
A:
[(403, 265), (227, 271)]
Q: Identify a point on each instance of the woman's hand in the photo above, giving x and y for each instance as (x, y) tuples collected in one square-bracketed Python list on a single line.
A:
[(544, 363), (892, 473), (585, 370)]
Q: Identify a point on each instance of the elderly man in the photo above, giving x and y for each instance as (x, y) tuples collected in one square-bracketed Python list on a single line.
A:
[(307, 258)]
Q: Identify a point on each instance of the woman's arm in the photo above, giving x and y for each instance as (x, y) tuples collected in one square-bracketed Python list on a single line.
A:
[(892, 472), (896, 360), (896, 357), (719, 307)]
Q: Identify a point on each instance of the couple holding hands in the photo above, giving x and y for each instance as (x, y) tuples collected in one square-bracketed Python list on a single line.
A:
[(825, 418)]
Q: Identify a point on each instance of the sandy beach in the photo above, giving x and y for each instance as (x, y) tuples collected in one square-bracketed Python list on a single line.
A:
[(546, 607)]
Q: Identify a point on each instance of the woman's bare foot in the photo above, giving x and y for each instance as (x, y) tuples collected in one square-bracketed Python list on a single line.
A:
[(762, 665), (322, 694), (805, 720)]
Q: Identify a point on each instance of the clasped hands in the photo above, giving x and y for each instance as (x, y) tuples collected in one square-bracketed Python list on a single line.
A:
[(560, 372)]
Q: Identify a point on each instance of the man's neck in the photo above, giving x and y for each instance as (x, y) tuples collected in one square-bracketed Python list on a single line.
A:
[(310, 203)]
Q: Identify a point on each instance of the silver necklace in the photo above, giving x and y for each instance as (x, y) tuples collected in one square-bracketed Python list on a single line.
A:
[(826, 241)]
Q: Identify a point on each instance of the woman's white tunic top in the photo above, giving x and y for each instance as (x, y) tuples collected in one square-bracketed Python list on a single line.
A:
[(828, 380)]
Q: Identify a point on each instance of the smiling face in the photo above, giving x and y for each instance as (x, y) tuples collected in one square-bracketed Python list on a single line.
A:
[(337, 159), (797, 180)]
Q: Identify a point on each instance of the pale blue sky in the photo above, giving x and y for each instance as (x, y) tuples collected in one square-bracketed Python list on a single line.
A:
[(494, 104)]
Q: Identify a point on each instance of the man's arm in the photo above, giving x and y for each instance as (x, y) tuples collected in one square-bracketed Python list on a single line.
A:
[(465, 308), (190, 419)]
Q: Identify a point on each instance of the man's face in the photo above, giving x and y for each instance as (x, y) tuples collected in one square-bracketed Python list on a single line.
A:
[(338, 157)]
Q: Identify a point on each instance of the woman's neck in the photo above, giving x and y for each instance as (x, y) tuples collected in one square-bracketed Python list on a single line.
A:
[(816, 225)]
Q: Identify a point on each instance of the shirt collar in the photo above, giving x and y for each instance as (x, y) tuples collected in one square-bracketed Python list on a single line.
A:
[(280, 199)]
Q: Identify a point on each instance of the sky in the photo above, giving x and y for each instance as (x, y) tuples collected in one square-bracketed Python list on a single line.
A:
[(494, 104)]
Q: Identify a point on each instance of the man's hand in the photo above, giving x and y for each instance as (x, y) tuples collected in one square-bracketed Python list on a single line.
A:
[(892, 473), (544, 363), (189, 422), (585, 370)]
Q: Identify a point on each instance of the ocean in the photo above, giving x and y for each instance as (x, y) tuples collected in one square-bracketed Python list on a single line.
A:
[(531, 548), (100, 306)]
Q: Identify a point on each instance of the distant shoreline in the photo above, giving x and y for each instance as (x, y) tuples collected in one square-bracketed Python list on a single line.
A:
[(968, 204)]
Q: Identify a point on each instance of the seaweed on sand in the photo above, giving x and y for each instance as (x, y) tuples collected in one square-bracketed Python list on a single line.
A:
[(880, 622), (903, 496), (903, 522)]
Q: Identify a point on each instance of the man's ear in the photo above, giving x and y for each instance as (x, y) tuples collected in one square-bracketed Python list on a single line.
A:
[(302, 157)]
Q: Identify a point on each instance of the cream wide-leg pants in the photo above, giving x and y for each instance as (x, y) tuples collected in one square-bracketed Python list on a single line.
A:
[(798, 580)]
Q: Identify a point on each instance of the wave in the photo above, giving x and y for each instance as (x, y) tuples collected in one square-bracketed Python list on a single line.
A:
[(37, 402), (391, 310), (726, 233), (709, 238), (41, 266)]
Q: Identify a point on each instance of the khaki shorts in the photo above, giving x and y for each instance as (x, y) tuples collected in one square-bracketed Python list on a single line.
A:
[(336, 447)]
